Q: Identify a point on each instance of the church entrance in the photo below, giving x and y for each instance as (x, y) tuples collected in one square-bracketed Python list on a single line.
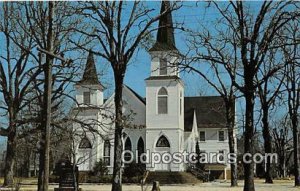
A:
[(162, 146)]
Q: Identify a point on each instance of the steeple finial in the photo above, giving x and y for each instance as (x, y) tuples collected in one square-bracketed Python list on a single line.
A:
[(165, 35), (90, 72)]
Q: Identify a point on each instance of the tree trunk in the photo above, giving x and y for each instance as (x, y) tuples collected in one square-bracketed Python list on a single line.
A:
[(296, 149), (267, 143), (28, 163), (46, 121), (118, 145), (155, 186), (41, 164), (10, 157), (231, 124), (282, 166), (249, 127)]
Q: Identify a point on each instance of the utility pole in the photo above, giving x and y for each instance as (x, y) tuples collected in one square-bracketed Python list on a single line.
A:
[(47, 97), (47, 111)]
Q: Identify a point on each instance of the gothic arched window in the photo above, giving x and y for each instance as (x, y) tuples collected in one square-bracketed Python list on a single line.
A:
[(162, 142), (85, 143), (162, 101), (106, 152), (128, 147), (140, 148)]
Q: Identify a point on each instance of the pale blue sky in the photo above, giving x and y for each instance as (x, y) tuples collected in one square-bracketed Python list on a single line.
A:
[(139, 69)]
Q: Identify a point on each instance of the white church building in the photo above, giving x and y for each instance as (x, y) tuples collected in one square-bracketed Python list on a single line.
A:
[(165, 121)]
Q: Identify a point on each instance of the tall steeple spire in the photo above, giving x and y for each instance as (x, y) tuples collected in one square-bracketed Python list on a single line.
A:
[(165, 35), (90, 73)]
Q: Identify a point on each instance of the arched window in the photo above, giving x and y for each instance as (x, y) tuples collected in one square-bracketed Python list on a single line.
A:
[(140, 148), (85, 143), (124, 135), (162, 142), (163, 67), (128, 144), (162, 101), (106, 153), (128, 147)]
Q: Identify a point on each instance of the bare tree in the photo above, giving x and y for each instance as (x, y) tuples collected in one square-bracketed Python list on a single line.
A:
[(17, 71), (292, 85), (115, 32), (50, 36), (210, 52), (282, 139), (268, 91), (254, 33)]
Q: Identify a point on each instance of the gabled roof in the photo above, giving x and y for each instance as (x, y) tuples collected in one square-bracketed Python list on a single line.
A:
[(165, 35), (90, 76), (210, 112), (137, 95), (140, 98)]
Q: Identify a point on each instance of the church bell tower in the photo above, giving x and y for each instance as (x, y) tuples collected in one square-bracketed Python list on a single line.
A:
[(89, 90), (164, 95)]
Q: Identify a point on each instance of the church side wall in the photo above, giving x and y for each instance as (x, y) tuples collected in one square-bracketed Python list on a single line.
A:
[(212, 143)]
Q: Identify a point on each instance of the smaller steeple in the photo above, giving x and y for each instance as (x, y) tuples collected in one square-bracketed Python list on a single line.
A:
[(165, 40), (90, 73)]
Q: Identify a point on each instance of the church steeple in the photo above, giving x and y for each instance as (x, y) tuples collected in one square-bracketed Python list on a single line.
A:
[(164, 91), (89, 90), (165, 40), (89, 76)]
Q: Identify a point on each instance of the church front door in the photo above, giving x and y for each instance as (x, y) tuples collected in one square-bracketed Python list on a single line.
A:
[(162, 146), (161, 166)]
